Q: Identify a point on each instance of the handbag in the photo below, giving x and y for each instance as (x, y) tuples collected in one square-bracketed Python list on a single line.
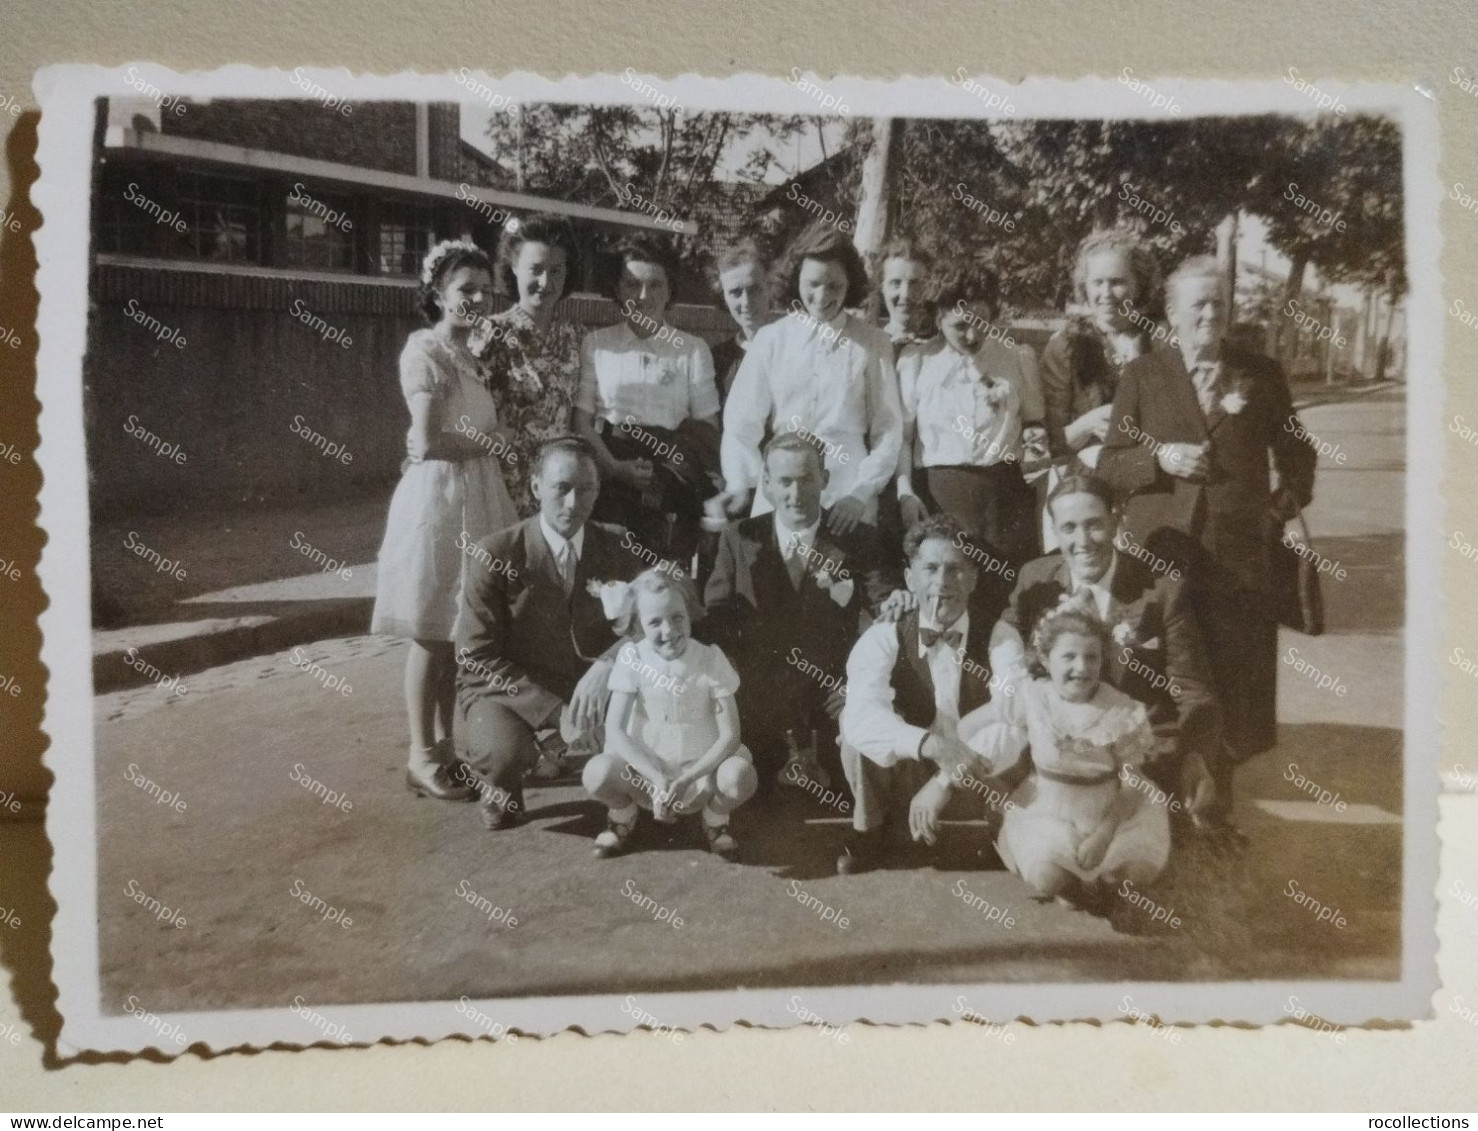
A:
[(1298, 599)]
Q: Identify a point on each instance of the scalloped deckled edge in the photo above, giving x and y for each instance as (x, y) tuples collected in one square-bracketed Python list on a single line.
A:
[(61, 195)]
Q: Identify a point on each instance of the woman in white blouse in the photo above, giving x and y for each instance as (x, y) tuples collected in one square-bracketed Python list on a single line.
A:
[(971, 399), (648, 405), (822, 371)]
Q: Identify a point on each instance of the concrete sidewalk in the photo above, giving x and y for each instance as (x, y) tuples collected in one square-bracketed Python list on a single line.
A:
[(249, 586)]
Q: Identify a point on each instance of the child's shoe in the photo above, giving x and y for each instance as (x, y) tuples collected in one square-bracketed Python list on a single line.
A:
[(553, 761), (721, 842), (615, 838)]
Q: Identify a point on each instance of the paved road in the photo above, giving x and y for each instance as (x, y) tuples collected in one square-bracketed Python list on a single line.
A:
[(249, 842)]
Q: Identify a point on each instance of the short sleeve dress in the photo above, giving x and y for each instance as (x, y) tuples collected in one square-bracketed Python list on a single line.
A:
[(441, 508), (677, 708), (1077, 751)]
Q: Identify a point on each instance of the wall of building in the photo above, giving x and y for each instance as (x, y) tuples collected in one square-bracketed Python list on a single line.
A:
[(373, 135), (250, 378)]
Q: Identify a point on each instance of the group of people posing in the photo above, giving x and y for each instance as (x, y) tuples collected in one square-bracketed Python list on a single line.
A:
[(811, 552)]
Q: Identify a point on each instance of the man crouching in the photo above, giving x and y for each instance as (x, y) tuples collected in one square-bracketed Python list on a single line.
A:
[(908, 684)]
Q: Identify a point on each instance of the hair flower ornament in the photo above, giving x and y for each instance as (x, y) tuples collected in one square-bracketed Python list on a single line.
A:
[(438, 253), (615, 597), (1234, 402)]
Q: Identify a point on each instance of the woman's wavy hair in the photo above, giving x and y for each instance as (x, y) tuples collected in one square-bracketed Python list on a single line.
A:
[(1149, 286), (542, 227), (458, 256), (823, 242), (646, 248), (906, 247), (968, 283)]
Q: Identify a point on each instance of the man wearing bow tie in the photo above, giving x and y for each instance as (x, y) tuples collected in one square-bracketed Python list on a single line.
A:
[(1188, 449), (785, 602), (908, 685)]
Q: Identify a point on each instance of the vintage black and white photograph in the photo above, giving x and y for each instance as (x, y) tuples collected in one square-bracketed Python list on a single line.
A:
[(650, 553)]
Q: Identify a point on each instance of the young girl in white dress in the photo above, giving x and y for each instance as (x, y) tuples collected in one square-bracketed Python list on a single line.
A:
[(450, 494), (1075, 822), (672, 727)]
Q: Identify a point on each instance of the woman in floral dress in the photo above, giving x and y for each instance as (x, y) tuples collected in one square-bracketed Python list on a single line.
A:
[(530, 356)]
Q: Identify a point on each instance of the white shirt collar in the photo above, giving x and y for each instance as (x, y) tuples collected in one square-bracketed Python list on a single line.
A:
[(1191, 362), (1103, 588), (556, 541), (962, 624), (786, 538)]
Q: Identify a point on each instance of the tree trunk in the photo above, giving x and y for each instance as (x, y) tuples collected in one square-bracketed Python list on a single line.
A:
[(872, 202), (1292, 288), (1226, 255)]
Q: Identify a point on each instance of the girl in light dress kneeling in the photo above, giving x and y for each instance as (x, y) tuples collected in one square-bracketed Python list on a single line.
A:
[(1075, 822), (672, 727)]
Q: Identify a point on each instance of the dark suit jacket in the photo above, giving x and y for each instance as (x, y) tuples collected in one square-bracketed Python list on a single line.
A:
[(1164, 642), (757, 617), (520, 638), (1230, 520)]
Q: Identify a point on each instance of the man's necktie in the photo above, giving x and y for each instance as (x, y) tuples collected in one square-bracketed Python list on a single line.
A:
[(1206, 375), (567, 567), (796, 565), (932, 636)]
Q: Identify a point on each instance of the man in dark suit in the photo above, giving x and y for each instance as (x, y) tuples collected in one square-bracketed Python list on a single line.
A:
[(1156, 657), (909, 683), (1187, 450), (532, 639), (786, 599)]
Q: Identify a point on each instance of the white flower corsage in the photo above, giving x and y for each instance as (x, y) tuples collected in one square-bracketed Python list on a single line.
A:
[(1123, 634), (1233, 403), (615, 597), (996, 392), (838, 591)]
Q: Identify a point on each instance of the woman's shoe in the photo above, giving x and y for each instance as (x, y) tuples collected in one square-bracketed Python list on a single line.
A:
[(615, 838), (438, 784)]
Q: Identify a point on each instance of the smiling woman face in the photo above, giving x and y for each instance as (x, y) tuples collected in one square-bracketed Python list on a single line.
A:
[(902, 280), (1108, 283), (464, 296), (823, 288), (539, 271)]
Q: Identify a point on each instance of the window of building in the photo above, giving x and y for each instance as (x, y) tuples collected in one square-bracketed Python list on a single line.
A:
[(139, 213), (319, 232), (405, 236), (223, 218)]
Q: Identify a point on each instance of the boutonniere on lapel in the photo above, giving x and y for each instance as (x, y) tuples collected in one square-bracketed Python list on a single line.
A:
[(839, 591), (1234, 402)]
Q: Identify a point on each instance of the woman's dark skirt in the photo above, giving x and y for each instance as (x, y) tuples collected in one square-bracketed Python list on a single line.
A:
[(994, 503)]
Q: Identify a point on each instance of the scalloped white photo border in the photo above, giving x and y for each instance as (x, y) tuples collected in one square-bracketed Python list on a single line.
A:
[(66, 95)]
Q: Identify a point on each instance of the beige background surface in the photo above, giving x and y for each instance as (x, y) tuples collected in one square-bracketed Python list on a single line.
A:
[(1427, 1068)]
